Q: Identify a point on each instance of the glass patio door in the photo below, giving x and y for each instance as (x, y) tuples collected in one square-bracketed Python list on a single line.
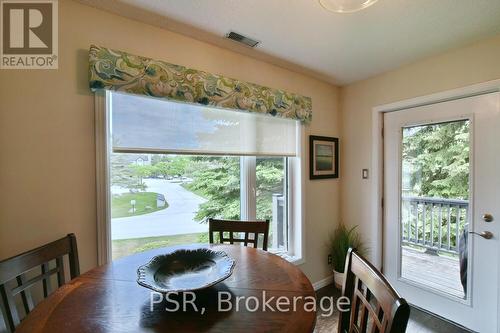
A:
[(441, 193)]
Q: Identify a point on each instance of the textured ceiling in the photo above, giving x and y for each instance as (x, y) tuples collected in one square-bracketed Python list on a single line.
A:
[(338, 48)]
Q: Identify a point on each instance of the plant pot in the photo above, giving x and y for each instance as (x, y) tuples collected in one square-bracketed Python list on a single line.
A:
[(338, 279)]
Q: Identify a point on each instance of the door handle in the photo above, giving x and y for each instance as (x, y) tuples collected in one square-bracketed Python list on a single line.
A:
[(484, 234)]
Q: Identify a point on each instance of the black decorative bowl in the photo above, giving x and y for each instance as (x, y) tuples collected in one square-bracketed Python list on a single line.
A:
[(185, 270)]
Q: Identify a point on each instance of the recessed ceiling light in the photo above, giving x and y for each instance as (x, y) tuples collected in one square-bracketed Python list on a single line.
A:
[(346, 6)]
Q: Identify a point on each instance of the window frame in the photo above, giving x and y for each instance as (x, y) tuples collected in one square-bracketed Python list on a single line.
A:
[(295, 169), (248, 190)]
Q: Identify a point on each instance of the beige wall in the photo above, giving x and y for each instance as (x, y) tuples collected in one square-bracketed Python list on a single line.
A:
[(47, 163), (47, 176), (476, 63)]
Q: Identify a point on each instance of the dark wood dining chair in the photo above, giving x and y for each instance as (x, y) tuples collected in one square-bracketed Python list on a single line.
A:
[(247, 228), (22, 269), (375, 307)]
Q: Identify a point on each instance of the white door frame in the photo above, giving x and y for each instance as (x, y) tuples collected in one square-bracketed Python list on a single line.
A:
[(377, 181)]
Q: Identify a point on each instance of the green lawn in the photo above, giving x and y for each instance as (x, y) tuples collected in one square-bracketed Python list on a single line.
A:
[(145, 203), (125, 247)]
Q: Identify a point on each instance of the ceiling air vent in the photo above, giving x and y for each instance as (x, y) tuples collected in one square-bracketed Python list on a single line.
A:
[(242, 39)]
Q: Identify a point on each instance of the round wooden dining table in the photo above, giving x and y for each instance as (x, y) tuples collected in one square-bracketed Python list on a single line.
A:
[(108, 299)]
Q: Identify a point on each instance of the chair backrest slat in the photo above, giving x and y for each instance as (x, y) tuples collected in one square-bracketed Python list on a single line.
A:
[(25, 294), (28, 283), (47, 286), (60, 272), (373, 300), (255, 228), (15, 268), (9, 310)]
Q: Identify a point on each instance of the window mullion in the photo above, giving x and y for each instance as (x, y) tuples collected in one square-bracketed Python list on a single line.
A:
[(286, 213), (247, 190)]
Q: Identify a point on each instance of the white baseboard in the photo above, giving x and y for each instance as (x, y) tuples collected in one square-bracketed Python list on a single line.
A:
[(323, 283)]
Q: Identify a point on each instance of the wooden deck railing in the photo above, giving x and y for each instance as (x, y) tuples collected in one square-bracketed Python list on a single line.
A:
[(433, 223)]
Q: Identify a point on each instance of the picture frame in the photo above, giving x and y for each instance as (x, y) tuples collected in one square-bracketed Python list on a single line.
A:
[(323, 157)]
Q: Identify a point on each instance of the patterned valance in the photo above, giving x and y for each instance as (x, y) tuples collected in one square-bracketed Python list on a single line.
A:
[(120, 71)]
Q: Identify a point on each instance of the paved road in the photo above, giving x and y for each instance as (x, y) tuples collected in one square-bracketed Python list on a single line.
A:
[(177, 219)]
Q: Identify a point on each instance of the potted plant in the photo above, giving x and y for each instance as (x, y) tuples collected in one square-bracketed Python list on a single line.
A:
[(340, 242)]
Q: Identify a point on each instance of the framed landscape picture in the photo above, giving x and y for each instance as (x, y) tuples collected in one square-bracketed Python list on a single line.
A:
[(323, 157)]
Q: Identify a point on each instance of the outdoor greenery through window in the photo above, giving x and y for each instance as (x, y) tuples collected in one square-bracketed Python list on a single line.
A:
[(271, 199), (436, 157), (434, 205), (163, 200), (175, 165)]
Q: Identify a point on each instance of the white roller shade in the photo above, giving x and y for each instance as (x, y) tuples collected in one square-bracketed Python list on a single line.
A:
[(156, 125)]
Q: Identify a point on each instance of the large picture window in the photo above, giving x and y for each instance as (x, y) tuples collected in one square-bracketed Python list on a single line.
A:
[(171, 166)]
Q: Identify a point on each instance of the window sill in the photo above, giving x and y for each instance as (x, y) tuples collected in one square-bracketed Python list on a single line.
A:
[(291, 259)]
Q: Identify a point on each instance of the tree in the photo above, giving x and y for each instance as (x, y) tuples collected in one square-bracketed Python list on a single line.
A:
[(269, 176), (215, 178), (172, 165), (218, 181), (439, 157), (141, 172), (123, 174)]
